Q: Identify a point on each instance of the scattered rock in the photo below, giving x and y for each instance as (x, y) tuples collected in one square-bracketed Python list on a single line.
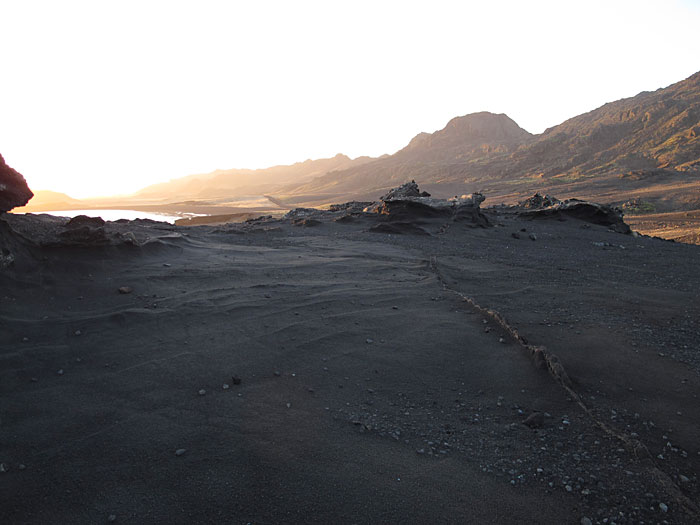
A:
[(180, 451), (202, 392), (225, 386), (586, 521), (60, 372), (112, 518), (663, 507), (125, 290), (515, 235), (533, 237)]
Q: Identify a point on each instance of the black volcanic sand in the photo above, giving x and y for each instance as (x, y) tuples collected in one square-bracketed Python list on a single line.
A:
[(370, 390)]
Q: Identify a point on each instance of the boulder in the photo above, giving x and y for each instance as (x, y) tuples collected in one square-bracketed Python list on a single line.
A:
[(14, 191)]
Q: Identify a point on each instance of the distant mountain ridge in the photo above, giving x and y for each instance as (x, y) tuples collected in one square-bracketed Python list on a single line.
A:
[(622, 147), (221, 184)]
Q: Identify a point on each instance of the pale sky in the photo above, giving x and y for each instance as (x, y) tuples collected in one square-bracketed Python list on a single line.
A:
[(100, 98)]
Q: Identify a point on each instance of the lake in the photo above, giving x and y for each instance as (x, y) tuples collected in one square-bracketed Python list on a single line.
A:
[(114, 215)]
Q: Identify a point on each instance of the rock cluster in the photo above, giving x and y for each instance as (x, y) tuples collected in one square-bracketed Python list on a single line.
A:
[(14, 191)]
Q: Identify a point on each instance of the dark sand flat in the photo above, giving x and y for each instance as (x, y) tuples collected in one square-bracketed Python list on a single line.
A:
[(371, 390)]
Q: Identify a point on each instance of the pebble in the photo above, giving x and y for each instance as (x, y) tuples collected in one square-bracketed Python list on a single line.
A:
[(125, 290), (501, 340), (180, 451), (369, 341), (112, 517), (533, 236), (586, 521), (289, 405), (22, 466), (202, 392), (3, 468), (394, 307), (225, 387), (663, 507), (277, 373), (25, 339), (78, 332), (60, 372), (684, 479)]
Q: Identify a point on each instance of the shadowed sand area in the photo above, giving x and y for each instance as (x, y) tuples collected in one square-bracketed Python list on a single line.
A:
[(370, 390)]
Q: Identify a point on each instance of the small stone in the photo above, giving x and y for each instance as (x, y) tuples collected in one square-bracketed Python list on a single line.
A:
[(533, 236), (60, 372), (684, 479), (25, 339), (369, 341), (22, 466), (167, 265), (663, 507), (277, 373), (112, 517), (236, 380), (225, 386), (289, 405), (202, 392), (125, 290), (180, 451), (3, 468), (568, 488), (586, 521), (78, 333), (515, 235), (34, 379), (501, 340), (534, 420), (394, 307)]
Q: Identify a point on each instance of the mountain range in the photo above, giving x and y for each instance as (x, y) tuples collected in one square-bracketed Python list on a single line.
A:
[(643, 149)]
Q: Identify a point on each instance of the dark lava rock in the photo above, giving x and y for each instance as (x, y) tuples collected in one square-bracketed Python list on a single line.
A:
[(83, 220), (538, 201), (409, 189), (14, 191), (350, 207), (585, 211)]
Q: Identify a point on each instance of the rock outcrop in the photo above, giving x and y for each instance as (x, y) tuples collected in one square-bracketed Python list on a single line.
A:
[(537, 207), (14, 191), (407, 203)]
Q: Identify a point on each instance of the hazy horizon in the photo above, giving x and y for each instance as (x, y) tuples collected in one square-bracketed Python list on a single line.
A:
[(106, 100)]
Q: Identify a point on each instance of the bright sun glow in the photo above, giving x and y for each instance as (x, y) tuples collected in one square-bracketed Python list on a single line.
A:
[(103, 98)]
